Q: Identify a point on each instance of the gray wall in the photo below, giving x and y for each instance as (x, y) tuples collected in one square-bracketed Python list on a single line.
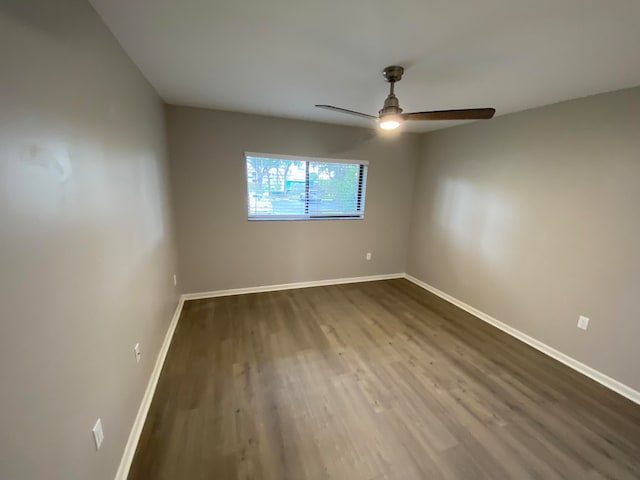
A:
[(85, 246), (534, 219), (219, 248)]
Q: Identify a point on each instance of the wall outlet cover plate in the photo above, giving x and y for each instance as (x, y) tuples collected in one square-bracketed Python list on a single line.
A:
[(583, 322), (98, 434)]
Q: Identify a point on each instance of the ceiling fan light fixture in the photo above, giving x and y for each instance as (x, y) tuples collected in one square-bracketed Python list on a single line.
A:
[(390, 123)]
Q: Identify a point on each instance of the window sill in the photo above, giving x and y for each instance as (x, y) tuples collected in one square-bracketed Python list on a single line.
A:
[(314, 218)]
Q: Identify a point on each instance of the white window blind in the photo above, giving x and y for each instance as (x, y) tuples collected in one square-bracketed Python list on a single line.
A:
[(282, 187)]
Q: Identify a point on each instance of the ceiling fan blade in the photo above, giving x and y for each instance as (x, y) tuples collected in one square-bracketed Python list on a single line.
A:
[(349, 112), (464, 114)]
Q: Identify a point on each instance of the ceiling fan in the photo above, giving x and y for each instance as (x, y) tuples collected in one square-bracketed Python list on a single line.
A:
[(391, 116)]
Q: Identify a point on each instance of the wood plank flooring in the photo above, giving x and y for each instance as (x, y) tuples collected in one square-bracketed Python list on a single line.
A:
[(372, 381)]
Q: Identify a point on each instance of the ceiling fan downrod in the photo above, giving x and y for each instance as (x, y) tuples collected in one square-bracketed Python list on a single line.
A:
[(392, 74)]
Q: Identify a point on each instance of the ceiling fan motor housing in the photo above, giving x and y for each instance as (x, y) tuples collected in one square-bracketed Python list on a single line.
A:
[(391, 106)]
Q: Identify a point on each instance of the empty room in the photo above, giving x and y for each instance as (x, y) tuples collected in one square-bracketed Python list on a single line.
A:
[(319, 240)]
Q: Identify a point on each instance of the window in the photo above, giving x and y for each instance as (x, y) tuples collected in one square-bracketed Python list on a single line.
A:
[(281, 187)]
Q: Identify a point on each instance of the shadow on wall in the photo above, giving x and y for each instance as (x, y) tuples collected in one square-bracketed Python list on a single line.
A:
[(41, 16)]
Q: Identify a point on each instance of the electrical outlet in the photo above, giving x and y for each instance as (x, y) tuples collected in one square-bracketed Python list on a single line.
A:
[(368, 256), (583, 322), (175, 280), (98, 434), (136, 350)]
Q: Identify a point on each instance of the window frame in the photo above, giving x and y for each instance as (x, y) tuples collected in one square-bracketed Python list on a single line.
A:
[(360, 198)]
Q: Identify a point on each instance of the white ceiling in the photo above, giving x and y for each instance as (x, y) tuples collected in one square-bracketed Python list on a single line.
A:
[(280, 57)]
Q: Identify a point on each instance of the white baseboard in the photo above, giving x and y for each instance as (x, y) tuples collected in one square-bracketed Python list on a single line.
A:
[(138, 424), (592, 373), (290, 286)]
